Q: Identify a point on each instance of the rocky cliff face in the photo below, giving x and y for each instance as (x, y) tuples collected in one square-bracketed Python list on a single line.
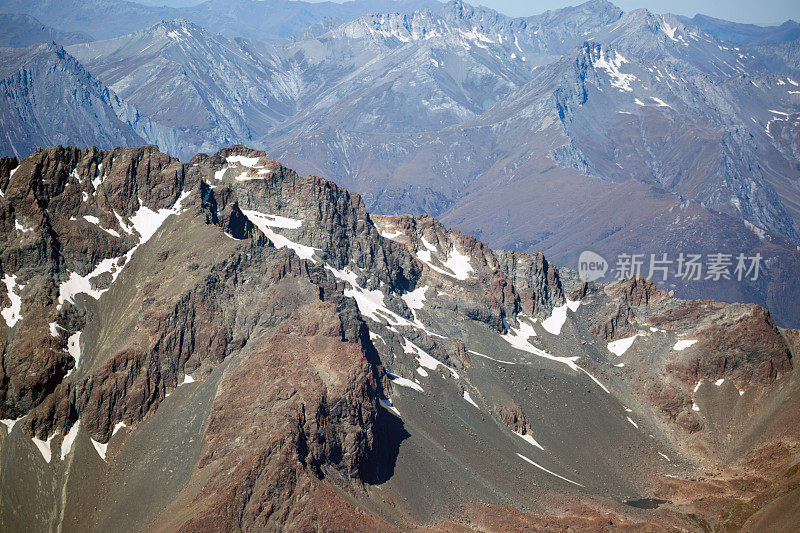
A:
[(263, 353)]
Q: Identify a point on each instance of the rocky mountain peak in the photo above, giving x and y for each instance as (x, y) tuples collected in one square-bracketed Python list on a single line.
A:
[(244, 295)]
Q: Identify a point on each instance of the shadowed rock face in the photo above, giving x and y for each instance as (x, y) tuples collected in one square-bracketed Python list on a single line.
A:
[(312, 364)]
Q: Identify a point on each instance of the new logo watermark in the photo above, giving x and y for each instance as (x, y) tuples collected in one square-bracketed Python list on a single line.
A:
[(591, 266), (682, 266)]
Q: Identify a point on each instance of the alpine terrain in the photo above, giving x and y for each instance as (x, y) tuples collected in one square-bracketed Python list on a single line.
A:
[(227, 345), (583, 128), (397, 265)]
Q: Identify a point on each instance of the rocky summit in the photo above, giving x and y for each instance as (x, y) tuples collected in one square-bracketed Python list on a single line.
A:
[(227, 345)]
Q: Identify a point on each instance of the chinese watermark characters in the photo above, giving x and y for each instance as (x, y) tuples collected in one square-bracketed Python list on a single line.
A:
[(683, 266)]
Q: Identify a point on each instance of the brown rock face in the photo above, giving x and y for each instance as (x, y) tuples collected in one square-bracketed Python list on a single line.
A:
[(486, 294), (304, 401), (618, 326), (46, 235), (512, 416), (744, 346), (535, 280), (675, 403), (637, 291)]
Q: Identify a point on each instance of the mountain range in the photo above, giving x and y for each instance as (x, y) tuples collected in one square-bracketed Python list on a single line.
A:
[(225, 344), (267, 20), (273, 265), (580, 128)]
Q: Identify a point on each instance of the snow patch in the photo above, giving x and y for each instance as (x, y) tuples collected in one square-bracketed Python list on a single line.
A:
[(20, 227), (9, 423), (186, 379), (719, 382), (683, 344), (457, 264), (491, 358), (555, 322), (244, 176), (595, 380), (415, 300), (529, 439), (760, 233), (632, 422), (69, 439), (44, 447), (391, 235), (611, 63), (266, 222), (404, 382), (470, 400), (74, 347), (423, 358), (620, 346), (100, 447), (387, 403), (146, 221), (12, 314), (96, 221), (518, 338), (243, 160), (117, 427), (371, 303), (668, 30), (540, 467)]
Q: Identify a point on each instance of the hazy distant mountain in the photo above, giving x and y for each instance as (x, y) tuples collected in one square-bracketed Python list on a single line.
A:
[(736, 32), (214, 90), (267, 20), (102, 19), (21, 31), (270, 20), (47, 97)]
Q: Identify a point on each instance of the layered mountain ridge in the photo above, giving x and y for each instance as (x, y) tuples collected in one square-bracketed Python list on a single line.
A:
[(226, 344), (618, 129)]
